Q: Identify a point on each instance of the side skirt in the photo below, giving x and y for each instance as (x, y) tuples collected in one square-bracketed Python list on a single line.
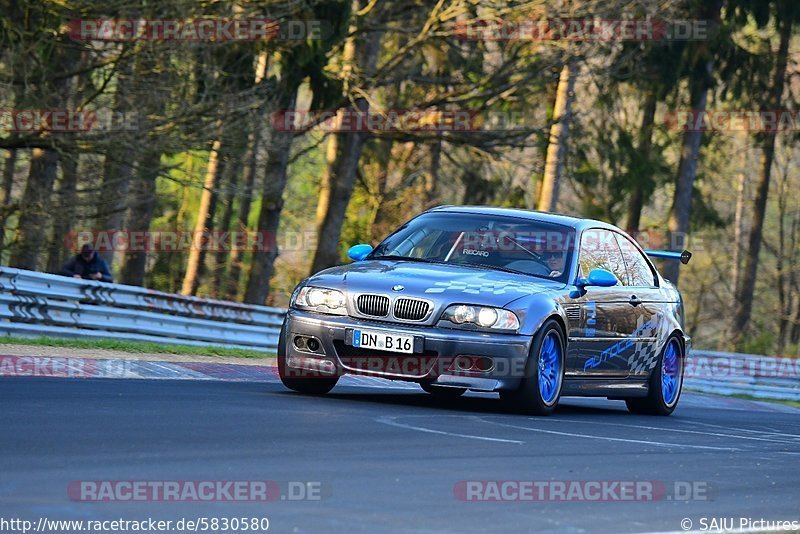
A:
[(598, 387)]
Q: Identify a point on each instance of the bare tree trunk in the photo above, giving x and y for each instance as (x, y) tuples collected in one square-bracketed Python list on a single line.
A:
[(793, 329), (326, 185), (381, 156), (792, 286), (794, 335), (35, 213), (738, 233), (558, 139), (254, 146), (784, 290), (68, 186), (678, 221), (140, 215), (205, 214), (636, 202), (62, 226), (243, 214), (432, 176), (744, 302), (344, 152), (9, 164), (230, 179), (477, 190), (278, 152), (340, 177), (31, 234), (118, 166), (176, 261)]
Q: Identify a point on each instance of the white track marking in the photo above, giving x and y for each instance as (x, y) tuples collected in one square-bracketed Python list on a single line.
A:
[(717, 434), (748, 430), (391, 421), (358, 381), (179, 372), (606, 438), (376, 383)]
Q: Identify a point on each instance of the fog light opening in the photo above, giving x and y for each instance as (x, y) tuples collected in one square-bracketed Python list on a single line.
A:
[(307, 344)]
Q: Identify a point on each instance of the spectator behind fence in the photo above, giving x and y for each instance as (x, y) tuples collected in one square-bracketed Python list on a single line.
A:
[(87, 265)]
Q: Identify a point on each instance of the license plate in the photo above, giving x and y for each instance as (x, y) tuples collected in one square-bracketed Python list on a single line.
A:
[(373, 339)]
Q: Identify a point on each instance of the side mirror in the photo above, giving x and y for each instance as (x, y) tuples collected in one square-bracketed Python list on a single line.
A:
[(359, 252), (599, 278)]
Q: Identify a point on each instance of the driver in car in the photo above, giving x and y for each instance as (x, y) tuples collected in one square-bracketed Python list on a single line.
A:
[(555, 261)]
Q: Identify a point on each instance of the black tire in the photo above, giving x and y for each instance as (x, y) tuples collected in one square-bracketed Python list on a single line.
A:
[(654, 403), (442, 392), (311, 384), (527, 398)]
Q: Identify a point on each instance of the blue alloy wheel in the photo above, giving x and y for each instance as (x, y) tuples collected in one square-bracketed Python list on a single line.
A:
[(670, 372), (550, 368)]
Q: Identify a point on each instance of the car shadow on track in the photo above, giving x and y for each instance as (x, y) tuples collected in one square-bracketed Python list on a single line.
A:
[(484, 404)]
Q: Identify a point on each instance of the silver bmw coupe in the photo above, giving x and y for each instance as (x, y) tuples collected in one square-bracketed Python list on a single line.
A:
[(534, 306)]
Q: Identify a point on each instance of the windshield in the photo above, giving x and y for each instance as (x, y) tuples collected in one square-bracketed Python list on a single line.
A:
[(514, 244)]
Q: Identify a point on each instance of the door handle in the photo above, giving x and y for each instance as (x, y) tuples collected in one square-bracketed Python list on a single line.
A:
[(634, 300)]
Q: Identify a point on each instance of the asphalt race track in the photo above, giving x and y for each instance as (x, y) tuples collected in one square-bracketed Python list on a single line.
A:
[(387, 457)]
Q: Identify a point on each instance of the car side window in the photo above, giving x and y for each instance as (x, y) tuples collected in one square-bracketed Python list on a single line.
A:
[(639, 272), (600, 250)]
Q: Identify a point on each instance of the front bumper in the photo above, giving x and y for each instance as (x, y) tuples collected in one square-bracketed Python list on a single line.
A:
[(432, 362)]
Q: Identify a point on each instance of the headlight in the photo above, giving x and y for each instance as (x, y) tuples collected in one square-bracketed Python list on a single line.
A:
[(320, 299), (482, 316)]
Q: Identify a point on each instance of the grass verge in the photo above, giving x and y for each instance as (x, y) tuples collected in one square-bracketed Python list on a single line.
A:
[(141, 347), (777, 401), (743, 396)]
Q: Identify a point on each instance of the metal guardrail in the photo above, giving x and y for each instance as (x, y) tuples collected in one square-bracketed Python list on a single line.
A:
[(39, 304), (752, 375)]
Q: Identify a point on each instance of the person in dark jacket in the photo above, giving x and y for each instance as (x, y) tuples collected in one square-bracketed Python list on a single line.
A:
[(87, 265)]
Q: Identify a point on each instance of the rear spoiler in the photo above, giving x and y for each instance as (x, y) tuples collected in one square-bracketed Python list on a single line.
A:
[(684, 256)]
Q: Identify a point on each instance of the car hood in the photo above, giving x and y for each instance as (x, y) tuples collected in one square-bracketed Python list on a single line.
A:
[(439, 282)]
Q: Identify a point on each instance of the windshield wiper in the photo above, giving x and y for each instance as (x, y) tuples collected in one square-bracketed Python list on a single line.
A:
[(406, 258), (498, 268), (476, 265)]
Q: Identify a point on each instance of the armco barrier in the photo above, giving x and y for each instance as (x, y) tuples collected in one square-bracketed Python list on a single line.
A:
[(39, 304), (752, 375)]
